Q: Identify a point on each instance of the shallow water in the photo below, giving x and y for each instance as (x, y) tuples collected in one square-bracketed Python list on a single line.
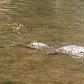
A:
[(58, 22)]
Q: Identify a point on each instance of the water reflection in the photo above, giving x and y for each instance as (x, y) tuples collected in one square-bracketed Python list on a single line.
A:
[(19, 28), (51, 22)]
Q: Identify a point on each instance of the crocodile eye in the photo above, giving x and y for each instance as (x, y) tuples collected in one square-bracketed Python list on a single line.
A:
[(82, 53), (32, 44)]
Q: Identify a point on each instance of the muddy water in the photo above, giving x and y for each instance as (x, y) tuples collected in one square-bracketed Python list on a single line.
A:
[(58, 22)]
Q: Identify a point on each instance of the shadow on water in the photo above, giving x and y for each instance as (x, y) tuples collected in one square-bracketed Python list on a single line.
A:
[(58, 22)]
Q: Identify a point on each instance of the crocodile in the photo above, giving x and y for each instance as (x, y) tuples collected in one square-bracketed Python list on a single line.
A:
[(73, 50)]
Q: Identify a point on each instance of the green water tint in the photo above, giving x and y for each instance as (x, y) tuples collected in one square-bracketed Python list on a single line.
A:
[(48, 21)]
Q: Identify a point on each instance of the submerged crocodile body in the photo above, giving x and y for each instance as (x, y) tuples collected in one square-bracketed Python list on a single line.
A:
[(73, 50)]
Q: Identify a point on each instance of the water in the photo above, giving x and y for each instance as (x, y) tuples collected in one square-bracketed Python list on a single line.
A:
[(58, 22)]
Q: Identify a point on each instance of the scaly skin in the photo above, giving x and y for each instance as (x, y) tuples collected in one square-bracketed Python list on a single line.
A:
[(73, 50)]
